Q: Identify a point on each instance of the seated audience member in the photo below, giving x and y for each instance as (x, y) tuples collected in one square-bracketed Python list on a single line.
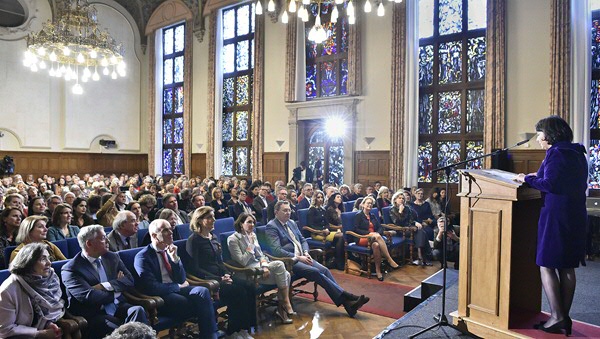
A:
[(306, 199), (170, 202), (345, 192), (183, 200), (246, 252), (111, 205), (452, 243), (423, 212), (33, 230), (133, 330), (198, 201), (95, 280), (260, 201), (30, 298), (36, 206), (253, 192), (148, 204), (14, 200), (10, 220), (333, 216), (135, 208), (161, 273), (383, 199), (207, 263), (293, 200), (367, 223), (124, 233), (94, 203), (242, 206), (80, 216), (281, 195), (218, 204), (435, 202), (356, 192), (317, 220), (51, 204), (69, 197), (61, 227), (171, 218), (285, 240), (403, 215), (233, 193)]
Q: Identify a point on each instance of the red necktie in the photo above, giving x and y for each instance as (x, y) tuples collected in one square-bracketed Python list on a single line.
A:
[(166, 262)]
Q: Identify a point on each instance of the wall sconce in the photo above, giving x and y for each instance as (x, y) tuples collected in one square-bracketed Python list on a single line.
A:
[(369, 140), (199, 146), (526, 136), (280, 143)]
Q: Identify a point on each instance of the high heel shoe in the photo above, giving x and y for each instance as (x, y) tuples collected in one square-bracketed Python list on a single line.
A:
[(282, 314), (568, 326), (556, 328), (380, 278)]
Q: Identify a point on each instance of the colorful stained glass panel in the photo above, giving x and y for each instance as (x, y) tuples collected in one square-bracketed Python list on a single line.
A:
[(476, 58), (595, 45), (241, 126), (425, 113), (178, 159), (344, 77), (252, 22), (336, 165), (227, 126), (168, 101), (179, 69), (241, 157), (167, 131), (252, 53), (168, 72), (227, 165), (318, 137), (315, 153), (449, 113), (228, 24), (448, 152), (595, 104), (474, 149), (179, 99), (450, 15), (178, 133), (425, 161), (243, 20), (328, 79), (475, 108), (168, 41), (242, 55), (228, 58), (594, 178), (344, 38), (477, 14), (425, 18), (179, 38), (450, 56), (311, 81), (167, 161), (228, 92), (243, 87), (426, 65), (329, 45)]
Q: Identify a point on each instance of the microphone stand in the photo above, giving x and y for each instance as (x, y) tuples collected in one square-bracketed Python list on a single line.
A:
[(441, 318)]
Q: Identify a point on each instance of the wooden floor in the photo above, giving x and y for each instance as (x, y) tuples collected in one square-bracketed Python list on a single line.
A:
[(322, 320)]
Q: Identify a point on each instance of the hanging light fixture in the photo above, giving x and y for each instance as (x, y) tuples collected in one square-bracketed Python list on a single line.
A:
[(72, 44)]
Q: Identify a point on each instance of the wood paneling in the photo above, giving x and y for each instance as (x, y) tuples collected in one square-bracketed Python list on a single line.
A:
[(275, 167), (526, 161), (371, 166), (56, 164), (199, 165)]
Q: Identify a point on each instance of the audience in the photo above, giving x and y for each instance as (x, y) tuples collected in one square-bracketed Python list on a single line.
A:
[(242, 206), (135, 208), (305, 199), (61, 227), (36, 206), (80, 216), (33, 230), (124, 233), (317, 220), (10, 220), (260, 201), (403, 215), (452, 243), (282, 194), (133, 330), (170, 202), (218, 204)]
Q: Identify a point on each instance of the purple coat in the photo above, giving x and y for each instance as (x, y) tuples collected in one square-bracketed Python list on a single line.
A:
[(562, 180)]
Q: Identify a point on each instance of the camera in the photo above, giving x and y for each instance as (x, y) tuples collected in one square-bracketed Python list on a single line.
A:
[(107, 143), (7, 165)]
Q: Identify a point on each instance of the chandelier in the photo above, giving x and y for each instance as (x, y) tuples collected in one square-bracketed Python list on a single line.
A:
[(317, 33), (72, 46)]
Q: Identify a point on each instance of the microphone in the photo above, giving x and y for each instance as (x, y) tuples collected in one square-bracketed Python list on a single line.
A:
[(521, 142)]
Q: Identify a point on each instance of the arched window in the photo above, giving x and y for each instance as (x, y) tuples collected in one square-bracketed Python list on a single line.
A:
[(325, 154), (452, 49)]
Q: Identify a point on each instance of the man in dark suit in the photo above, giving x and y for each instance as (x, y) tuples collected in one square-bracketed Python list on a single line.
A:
[(94, 280), (281, 195), (302, 173), (124, 233), (241, 205), (285, 240), (305, 199), (161, 273), (260, 201), (170, 201)]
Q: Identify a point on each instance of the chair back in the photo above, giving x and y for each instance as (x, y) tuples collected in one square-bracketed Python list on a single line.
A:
[(128, 258), (184, 231), (73, 248), (4, 274), (107, 229), (375, 211), (348, 224), (7, 252), (186, 260), (159, 204), (261, 236), (231, 210), (226, 197), (386, 215), (223, 225), (63, 246), (349, 205), (303, 221), (141, 233), (264, 216), (224, 247)]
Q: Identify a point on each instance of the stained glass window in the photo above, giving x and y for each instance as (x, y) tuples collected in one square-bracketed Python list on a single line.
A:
[(238, 69), (328, 152), (594, 146), (327, 62), (173, 99), (452, 50)]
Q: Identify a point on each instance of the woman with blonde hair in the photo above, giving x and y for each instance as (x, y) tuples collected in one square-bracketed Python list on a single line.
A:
[(33, 230)]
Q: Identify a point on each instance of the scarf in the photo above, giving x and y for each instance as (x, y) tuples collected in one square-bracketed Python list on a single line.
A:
[(46, 297)]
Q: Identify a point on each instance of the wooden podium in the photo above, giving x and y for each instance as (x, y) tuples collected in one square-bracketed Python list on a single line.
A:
[(498, 277)]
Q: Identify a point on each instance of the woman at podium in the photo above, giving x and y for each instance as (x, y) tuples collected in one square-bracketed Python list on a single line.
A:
[(562, 181)]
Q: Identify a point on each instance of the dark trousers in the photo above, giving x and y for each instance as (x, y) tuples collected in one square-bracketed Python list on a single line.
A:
[(240, 299), (323, 277), (101, 325), (192, 301)]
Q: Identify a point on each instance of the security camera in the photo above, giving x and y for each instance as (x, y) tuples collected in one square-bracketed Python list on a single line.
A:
[(108, 143)]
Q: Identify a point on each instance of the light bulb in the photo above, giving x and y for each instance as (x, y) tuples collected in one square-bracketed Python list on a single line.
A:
[(258, 8), (368, 6), (68, 76), (104, 62), (86, 72), (41, 51), (398, 1), (339, 2), (42, 64), (292, 6), (306, 2), (51, 72), (77, 89), (351, 20), (350, 9), (380, 10), (113, 75), (105, 71), (84, 79), (52, 56), (80, 58), (284, 17), (34, 68), (304, 16), (334, 14), (113, 60), (93, 54), (96, 76), (271, 6), (66, 51)]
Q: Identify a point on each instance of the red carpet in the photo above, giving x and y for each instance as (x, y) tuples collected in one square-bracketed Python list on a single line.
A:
[(523, 324), (387, 299)]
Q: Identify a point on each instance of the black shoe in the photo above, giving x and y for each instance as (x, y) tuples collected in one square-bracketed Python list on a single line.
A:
[(353, 306), (556, 328), (349, 296), (380, 278)]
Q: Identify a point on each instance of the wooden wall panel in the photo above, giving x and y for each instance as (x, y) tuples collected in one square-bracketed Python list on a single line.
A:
[(56, 164), (199, 165), (275, 167), (526, 161), (371, 166)]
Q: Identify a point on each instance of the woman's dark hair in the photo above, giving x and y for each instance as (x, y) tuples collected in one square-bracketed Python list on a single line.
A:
[(94, 203), (241, 219), (76, 203), (130, 205), (27, 257), (435, 190), (331, 202), (31, 202), (555, 129), (5, 213), (58, 211)]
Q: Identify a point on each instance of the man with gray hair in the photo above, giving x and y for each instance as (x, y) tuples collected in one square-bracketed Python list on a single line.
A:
[(161, 273), (124, 233), (94, 280), (306, 198)]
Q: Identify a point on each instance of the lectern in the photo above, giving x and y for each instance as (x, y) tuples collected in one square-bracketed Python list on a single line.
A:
[(498, 277)]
